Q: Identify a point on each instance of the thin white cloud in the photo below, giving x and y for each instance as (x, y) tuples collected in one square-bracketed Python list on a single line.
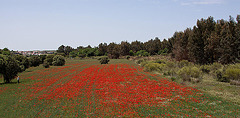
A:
[(199, 2)]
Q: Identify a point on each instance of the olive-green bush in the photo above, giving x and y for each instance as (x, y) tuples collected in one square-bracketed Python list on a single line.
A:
[(233, 74), (149, 67), (183, 63), (188, 73), (58, 60), (104, 60), (46, 64)]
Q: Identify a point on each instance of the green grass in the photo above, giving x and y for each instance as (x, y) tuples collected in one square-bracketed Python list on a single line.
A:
[(16, 101)]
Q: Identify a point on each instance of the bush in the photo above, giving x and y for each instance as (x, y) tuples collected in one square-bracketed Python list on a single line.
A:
[(35, 61), (183, 63), (205, 68), (46, 64), (131, 53), (9, 67), (160, 61), (22, 68), (140, 61), (143, 63), (58, 60), (142, 53), (190, 73), (221, 77), (215, 66), (195, 72), (184, 73), (49, 59), (173, 79), (104, 60), (233, 74), (149, 67)]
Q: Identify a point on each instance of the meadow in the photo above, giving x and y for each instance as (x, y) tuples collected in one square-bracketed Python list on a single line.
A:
[(85, 88)]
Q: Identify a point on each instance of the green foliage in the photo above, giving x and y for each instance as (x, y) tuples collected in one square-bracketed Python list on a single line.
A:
[(143, 53), (195, 72), (64, 50), (73, 54), (164, 51), (9, 67), (49, 59), (184, 73), (58, 60), (46, 64), (6, 51), (233, 73), (173, 79), (22, 61), (149, 67), (160, 61), (42, 58), (34, 61), (140, 61), (221, 77), (104, 60), (88, 52), (22, 68), (205, 68), (183, 63), (188, 73), (131, 53)]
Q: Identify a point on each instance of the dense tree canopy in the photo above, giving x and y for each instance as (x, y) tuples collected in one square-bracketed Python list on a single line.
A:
[(207, 42)]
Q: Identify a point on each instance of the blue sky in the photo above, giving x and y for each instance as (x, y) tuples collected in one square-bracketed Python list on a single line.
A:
[(47, 24)]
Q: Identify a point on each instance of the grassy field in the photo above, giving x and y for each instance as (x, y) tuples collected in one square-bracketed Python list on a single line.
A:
[(84, 88)]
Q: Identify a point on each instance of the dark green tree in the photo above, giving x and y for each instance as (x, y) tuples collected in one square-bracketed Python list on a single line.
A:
[(124, 48), (113, 51), (35, 61), (102, 48), (9, 68), (58, 60), (136, 46)]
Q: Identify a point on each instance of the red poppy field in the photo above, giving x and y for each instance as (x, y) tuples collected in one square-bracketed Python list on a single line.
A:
[(84, 88)]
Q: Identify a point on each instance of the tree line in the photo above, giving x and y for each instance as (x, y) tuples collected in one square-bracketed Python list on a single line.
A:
[(11, 64), (208, 42)]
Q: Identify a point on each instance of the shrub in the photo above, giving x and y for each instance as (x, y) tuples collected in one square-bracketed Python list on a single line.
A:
[(221, 77), (205, 68), (215, 66), (160, 61), (232, 74), (142, 53), (190, 73), (58, 60), (46, 64), (49, 59), (183, 63), (143, 63), (9, 67), (149, 67), (35, 61), (140, 61), (184, 73), (195, 72), (104, 60), (22, 68), (173, 78), (131, 53)]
